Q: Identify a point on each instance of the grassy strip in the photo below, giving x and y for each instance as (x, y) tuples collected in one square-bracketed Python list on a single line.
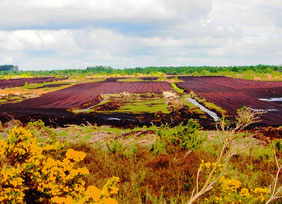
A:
[(191, 106), (208, 105), (212, 106), (176, 88)]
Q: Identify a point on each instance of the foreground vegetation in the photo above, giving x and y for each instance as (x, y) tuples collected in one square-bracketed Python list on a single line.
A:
[(164, 164)]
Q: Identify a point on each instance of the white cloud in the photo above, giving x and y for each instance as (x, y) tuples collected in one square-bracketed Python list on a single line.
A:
[(21, 14), (6, 60), (41, 34), (33, 40)]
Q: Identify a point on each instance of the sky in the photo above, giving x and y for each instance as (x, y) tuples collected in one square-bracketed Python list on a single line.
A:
[(67, 34)]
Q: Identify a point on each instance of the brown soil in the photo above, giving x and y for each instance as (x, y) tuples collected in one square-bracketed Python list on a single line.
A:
[(21, 82), (268, 132), (113, 79), (111, 105), (232, 94), (149, 78), (52, 107), (62, 117), (87, 93)]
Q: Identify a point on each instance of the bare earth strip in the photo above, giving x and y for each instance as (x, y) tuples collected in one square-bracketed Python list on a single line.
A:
[(232, 94), (9, 83), (54, 105), (80, 94)]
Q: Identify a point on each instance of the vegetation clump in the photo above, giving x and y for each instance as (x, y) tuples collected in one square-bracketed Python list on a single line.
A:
[(32, 174), (181, 137)]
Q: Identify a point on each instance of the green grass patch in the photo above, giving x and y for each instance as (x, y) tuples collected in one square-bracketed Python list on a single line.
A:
[(191, 106), (39, 85), (130, 103), (144, 106), (130, 79), (212, 106), (176, 88), (11, 98), (208, 105)]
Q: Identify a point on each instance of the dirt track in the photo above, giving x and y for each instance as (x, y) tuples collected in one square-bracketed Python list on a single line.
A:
[(232, 94)]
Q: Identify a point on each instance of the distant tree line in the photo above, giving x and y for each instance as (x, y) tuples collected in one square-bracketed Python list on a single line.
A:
[(184, 70), (7, 67)]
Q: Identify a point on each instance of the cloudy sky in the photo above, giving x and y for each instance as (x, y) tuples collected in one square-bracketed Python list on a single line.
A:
[(53, 34)]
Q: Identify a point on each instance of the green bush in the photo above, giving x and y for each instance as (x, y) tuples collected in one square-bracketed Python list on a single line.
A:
[(181, 137), (115, 146)]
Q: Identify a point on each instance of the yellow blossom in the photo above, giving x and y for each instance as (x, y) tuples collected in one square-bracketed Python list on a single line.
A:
[(230, 185), (208, 165), (114, 190), (245, 193), (93, 192), (260, 193), (75, 155), (110, 201), (63, 200)]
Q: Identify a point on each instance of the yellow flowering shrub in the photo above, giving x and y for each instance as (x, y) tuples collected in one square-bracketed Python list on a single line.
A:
[(245, 193), (232, 191), (207, 166), (29, 173), (260, 193), (95, 195), (230, 185)]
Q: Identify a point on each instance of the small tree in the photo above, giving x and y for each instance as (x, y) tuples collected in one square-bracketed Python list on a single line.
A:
[(229, 146)]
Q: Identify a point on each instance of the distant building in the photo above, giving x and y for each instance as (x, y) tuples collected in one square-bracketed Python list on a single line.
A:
[(9, 68)]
